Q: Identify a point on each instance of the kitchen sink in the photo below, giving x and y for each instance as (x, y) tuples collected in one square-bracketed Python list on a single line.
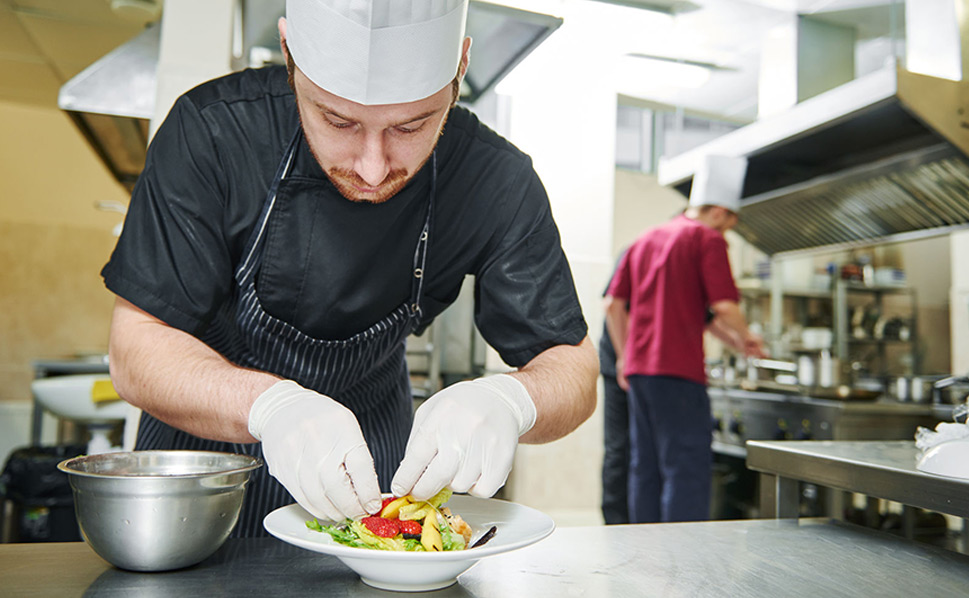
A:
[(71, 397), (74, 397)]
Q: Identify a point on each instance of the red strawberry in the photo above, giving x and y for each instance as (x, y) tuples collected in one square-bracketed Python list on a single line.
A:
[(412, 528), (385, 528)]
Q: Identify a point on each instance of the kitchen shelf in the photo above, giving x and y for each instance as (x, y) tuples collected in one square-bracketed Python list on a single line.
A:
[(844, 340), (788, 292), (842, 296), (857, 287)]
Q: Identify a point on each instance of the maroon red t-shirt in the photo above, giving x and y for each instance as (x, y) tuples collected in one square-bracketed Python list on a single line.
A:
[(670, 276)]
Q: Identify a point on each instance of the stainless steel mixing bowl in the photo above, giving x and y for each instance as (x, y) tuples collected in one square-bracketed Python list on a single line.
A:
[(158, 510)]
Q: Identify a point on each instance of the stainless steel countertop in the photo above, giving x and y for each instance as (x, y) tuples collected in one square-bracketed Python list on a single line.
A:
[(881, 405), (736, 559), (880, 469)]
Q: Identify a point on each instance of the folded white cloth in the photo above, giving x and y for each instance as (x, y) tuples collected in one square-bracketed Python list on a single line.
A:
[(944, 432)]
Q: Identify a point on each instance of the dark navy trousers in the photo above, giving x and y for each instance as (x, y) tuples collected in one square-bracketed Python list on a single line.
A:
[(670, 455), (615, 458)]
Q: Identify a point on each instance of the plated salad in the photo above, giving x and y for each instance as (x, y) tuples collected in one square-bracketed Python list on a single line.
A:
[(405, 524)]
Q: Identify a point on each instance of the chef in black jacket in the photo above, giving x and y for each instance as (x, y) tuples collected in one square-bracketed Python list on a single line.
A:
[(293, 226)]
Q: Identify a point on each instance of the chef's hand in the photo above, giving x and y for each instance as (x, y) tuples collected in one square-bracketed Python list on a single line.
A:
[(753, 346), (621, 378), (314, 447), (465, 437)]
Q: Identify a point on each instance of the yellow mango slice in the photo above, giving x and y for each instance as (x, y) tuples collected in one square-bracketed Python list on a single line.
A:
[(430, 535), (394, 506)]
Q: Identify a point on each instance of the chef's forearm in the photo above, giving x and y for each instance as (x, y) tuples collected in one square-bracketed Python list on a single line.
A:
[(730, 319), (178, 379), (726, 335), (562, 383)]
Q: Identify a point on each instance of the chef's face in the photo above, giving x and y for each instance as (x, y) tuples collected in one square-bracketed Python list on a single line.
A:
[(723, 219), (369, 152), (730, 220)]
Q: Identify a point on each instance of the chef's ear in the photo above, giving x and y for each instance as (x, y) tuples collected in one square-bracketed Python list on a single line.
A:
[(281, 24), (465, 57)]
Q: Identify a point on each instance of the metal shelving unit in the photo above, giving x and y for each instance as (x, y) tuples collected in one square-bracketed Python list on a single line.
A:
[(424, 361), (843, 296), (845, 341)]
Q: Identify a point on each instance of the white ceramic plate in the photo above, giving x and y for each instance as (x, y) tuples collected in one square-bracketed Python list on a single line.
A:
[(517, 525)]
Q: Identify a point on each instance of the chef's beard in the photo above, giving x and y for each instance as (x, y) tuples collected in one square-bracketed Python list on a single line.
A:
[(347, 181)]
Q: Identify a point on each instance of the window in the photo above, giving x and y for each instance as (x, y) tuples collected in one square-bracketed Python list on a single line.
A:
[(643, 135)]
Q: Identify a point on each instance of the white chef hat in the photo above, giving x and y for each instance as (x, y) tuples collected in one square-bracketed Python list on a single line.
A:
[(377, 51), (719, 182)]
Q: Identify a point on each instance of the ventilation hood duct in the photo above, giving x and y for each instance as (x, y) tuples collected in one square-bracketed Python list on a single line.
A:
[(881, 158), (112, 101)]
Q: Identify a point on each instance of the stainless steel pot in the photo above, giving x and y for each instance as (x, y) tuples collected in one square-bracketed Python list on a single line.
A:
[(916, 389), (820, 369), (829, 370), (813, 369)]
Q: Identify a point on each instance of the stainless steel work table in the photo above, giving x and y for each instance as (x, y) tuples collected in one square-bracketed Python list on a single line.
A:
[(878, 469), (736, 559)]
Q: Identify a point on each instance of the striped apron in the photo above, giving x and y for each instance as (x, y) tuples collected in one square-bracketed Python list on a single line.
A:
[(366, 372)]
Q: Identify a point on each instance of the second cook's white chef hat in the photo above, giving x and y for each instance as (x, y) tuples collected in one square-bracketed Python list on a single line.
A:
[(719, 182), (377, 51)]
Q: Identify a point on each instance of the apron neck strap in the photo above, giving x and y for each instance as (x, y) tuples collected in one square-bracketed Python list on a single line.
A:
[(285, 165), (420, 252)]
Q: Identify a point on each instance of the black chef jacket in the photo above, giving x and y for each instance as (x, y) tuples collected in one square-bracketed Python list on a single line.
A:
[(333, 267)]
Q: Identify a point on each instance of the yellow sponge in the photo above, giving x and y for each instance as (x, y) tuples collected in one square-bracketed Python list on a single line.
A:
[(103, 390)]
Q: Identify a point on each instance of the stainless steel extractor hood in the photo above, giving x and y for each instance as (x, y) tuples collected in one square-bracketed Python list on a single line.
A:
[(883, 157), (112, 101)]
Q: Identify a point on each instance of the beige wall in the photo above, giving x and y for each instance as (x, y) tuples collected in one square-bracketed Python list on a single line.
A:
[(927, 270), (959, 302), (641, 202), (53, 242)]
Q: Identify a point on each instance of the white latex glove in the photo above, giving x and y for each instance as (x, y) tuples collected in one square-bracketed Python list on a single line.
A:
[(314, 447), (465, 437)]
